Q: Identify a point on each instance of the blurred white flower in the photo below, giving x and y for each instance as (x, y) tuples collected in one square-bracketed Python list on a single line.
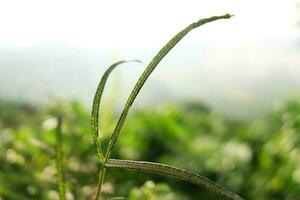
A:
[(50, 123), (14, 157)]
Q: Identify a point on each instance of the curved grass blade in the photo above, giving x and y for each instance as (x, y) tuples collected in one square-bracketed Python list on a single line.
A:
[(161, 54), (182, 174), (59, 161), (96, 105)]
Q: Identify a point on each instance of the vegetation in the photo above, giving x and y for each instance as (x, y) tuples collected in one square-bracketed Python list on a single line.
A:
[(258, 160)]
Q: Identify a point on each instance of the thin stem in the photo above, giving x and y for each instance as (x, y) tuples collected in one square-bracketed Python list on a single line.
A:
[(59, 161), (100, 182)]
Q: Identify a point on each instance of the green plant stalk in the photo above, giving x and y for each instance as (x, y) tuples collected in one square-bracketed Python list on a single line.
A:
[(59, 161), (182, 174), (100, 181), (95, 120), (161, 54)]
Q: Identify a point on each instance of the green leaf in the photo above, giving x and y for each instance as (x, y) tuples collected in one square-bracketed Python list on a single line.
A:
[(182, 174), (161, 54), (96, 105)]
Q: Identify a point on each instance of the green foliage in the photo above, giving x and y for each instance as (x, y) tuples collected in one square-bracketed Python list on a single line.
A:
[(154, 191), (258, 159)]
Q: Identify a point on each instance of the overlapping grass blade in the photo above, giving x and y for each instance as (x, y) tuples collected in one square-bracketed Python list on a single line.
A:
[(182, 174), (161, 54), (96, 105), (59, 161)]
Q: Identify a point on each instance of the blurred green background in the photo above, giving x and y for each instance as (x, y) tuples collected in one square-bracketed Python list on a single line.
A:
[(259, 159)]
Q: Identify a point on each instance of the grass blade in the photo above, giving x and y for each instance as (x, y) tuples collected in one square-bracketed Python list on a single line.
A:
[(59, 161), (96, 105), (182, 174), (95, 121), (161, 54)]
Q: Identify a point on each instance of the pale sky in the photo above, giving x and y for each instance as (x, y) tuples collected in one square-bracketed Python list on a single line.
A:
[(249, 60), (135, 23)]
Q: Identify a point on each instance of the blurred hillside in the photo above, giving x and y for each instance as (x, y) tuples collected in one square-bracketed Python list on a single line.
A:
[(227, 77)]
